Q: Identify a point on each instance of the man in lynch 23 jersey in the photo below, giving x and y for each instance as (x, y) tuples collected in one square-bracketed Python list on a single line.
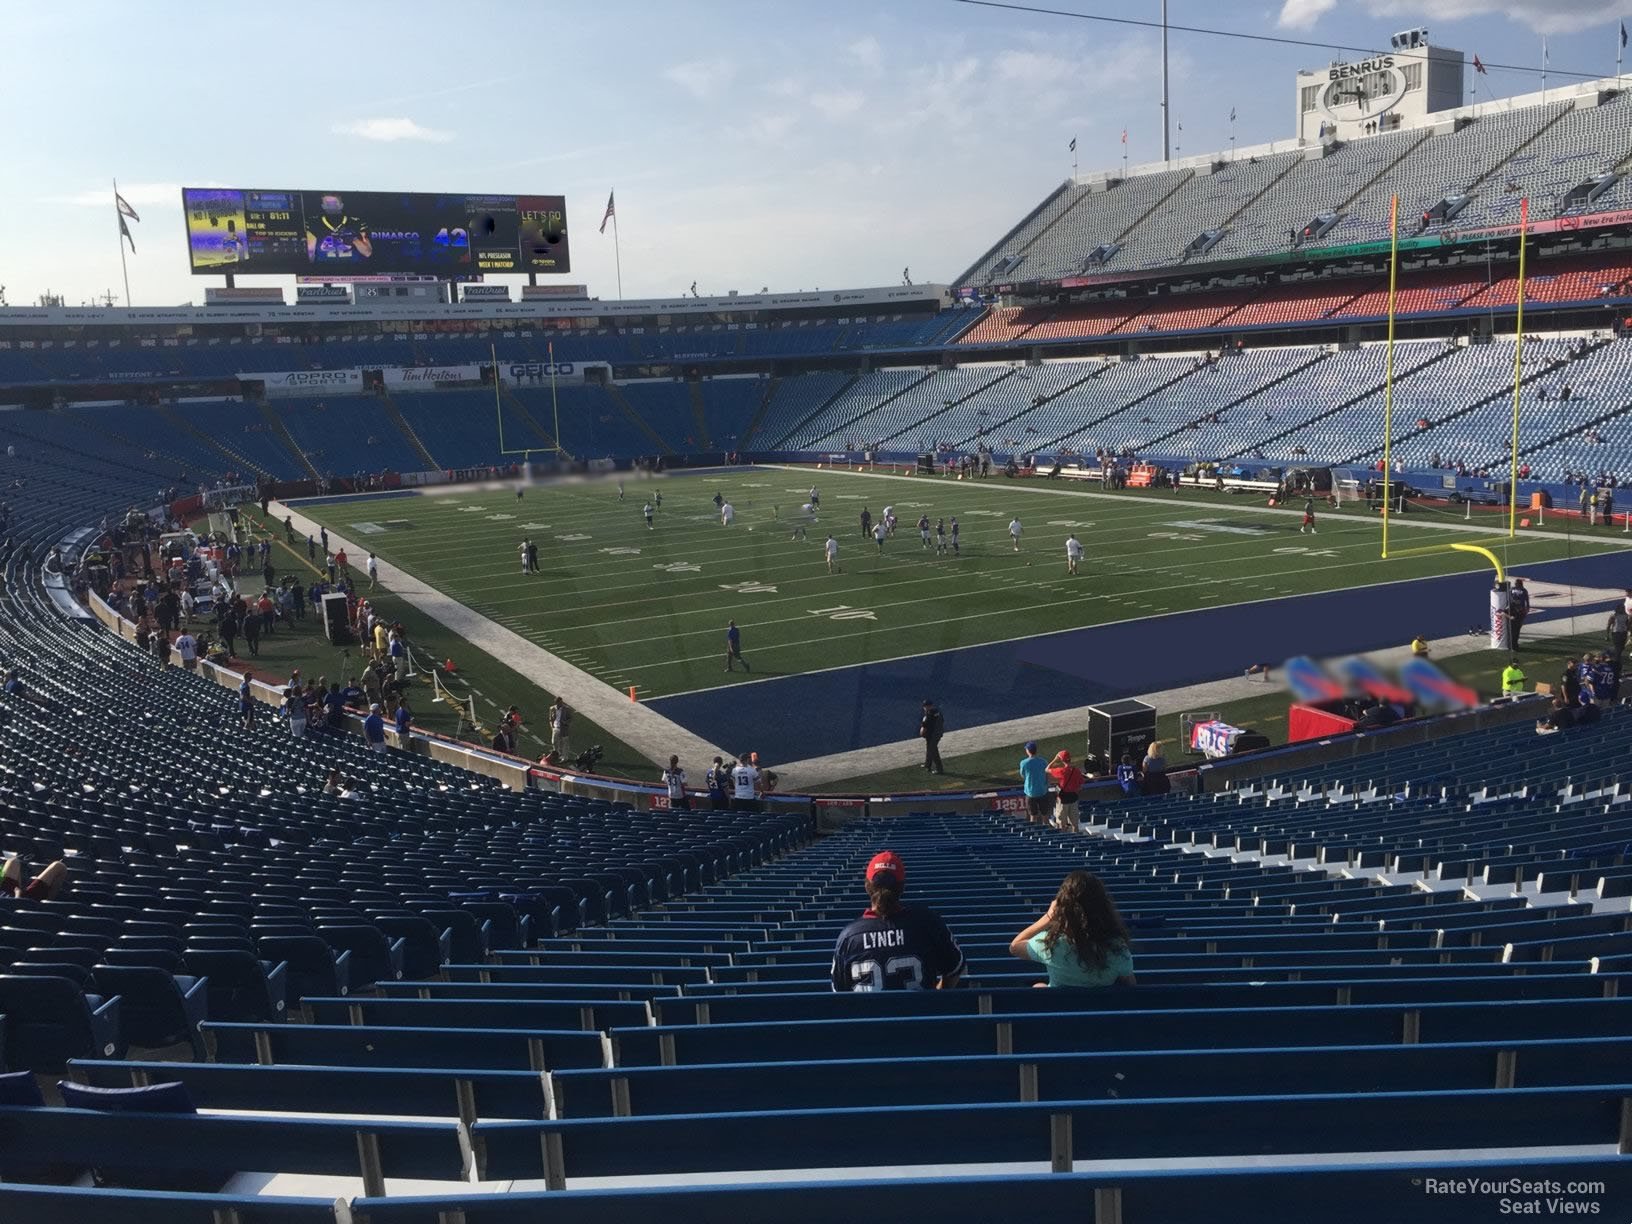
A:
[(892, 946)]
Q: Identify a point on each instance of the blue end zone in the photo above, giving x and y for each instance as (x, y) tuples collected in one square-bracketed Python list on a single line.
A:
[(796, 717)]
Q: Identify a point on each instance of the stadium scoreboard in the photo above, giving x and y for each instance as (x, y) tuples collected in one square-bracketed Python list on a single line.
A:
[(345, 233)]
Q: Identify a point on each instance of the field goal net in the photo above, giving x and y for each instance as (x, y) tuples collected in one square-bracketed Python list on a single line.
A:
[(1349, 492)]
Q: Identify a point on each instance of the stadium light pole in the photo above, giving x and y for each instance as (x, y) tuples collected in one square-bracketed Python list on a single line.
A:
[(1166, 109)]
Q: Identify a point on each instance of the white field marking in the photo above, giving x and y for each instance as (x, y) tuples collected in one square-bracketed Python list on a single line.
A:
[(1021, 488), (1105, 545), (1213, 551), (1015, 582), (460, 539), (920, 654)]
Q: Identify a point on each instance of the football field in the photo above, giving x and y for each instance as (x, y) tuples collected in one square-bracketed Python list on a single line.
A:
[(648, 608)]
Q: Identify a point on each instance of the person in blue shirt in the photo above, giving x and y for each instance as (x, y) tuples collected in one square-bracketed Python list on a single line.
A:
[(733, 647), (1127, 775), (1081, 941), (1034, 780), (403, 718), (374, 729)]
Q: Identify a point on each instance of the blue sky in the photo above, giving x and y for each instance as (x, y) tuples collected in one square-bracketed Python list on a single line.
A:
[(751, 142)]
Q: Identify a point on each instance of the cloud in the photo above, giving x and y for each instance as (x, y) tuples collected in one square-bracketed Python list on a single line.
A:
[(1033, 67), (866, 53), (1302, 14), (1542, 16), (390, 130), (138, 195), (942, 92), (839, 103), (769, 128), (701, 78)]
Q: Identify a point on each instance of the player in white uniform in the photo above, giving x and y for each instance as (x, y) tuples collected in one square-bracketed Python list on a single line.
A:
[(727, 514), (526, 566), (1073, 553), (1014, 533), (647, 511), (815, 497), (832, 548), (889, 519), (373, 571), (879, 532)]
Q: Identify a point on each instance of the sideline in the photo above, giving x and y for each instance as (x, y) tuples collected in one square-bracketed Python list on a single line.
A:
[(1072, 724), (635, 723)]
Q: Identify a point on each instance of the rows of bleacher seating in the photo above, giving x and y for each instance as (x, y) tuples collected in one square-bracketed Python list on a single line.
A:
[(1582, 279), (1408, 962), (26, 361), (1260, 205)]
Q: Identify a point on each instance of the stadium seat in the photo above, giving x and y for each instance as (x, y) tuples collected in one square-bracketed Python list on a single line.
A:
[(52, 1019)]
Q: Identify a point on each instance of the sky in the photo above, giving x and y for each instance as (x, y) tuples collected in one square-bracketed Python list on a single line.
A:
[(788, 144)]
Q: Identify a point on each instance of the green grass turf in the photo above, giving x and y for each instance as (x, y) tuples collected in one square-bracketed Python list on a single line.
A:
[(649, 608), (1542, 660), (500, 687)]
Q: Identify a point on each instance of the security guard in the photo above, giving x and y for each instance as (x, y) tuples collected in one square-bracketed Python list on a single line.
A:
[(1512, 679)]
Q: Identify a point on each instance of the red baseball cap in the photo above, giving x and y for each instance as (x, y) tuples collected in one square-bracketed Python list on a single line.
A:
[(887, 863)]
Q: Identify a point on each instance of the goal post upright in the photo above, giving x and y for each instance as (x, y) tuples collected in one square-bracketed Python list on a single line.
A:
[(1518, 381), (1388, 361)]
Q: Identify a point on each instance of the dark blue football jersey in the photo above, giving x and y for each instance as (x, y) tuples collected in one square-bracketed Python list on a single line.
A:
[(909, 950)]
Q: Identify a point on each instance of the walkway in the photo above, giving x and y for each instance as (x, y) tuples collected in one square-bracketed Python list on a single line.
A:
[(641, 727)]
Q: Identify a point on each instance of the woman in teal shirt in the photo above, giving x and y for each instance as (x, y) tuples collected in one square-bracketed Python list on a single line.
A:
[(1081, 940)]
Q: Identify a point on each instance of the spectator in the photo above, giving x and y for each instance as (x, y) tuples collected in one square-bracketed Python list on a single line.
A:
[(1034, 782), (1512, 679), (931, 727), (294, 706), (922, 952), (1569, 684), (398, 650), (1153, 771), (1068, 778), (715, 780), (374, 729), (1419, 647), (1095, 942), (745, 786), (1560, 717), (675, 779), (1615, 631), (504, 739), (246, 703), (403, 719), (334, 705), (560, 728), (334, 784), (1127, 775), (187, 649), (43, 887)]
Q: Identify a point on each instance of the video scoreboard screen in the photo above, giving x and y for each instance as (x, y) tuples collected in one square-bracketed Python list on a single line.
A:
[(349, 233)]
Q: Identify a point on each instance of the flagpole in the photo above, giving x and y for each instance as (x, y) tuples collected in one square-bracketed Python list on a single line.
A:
[(1232, 133), (119, 236), (1544, 63), (617, 253)]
